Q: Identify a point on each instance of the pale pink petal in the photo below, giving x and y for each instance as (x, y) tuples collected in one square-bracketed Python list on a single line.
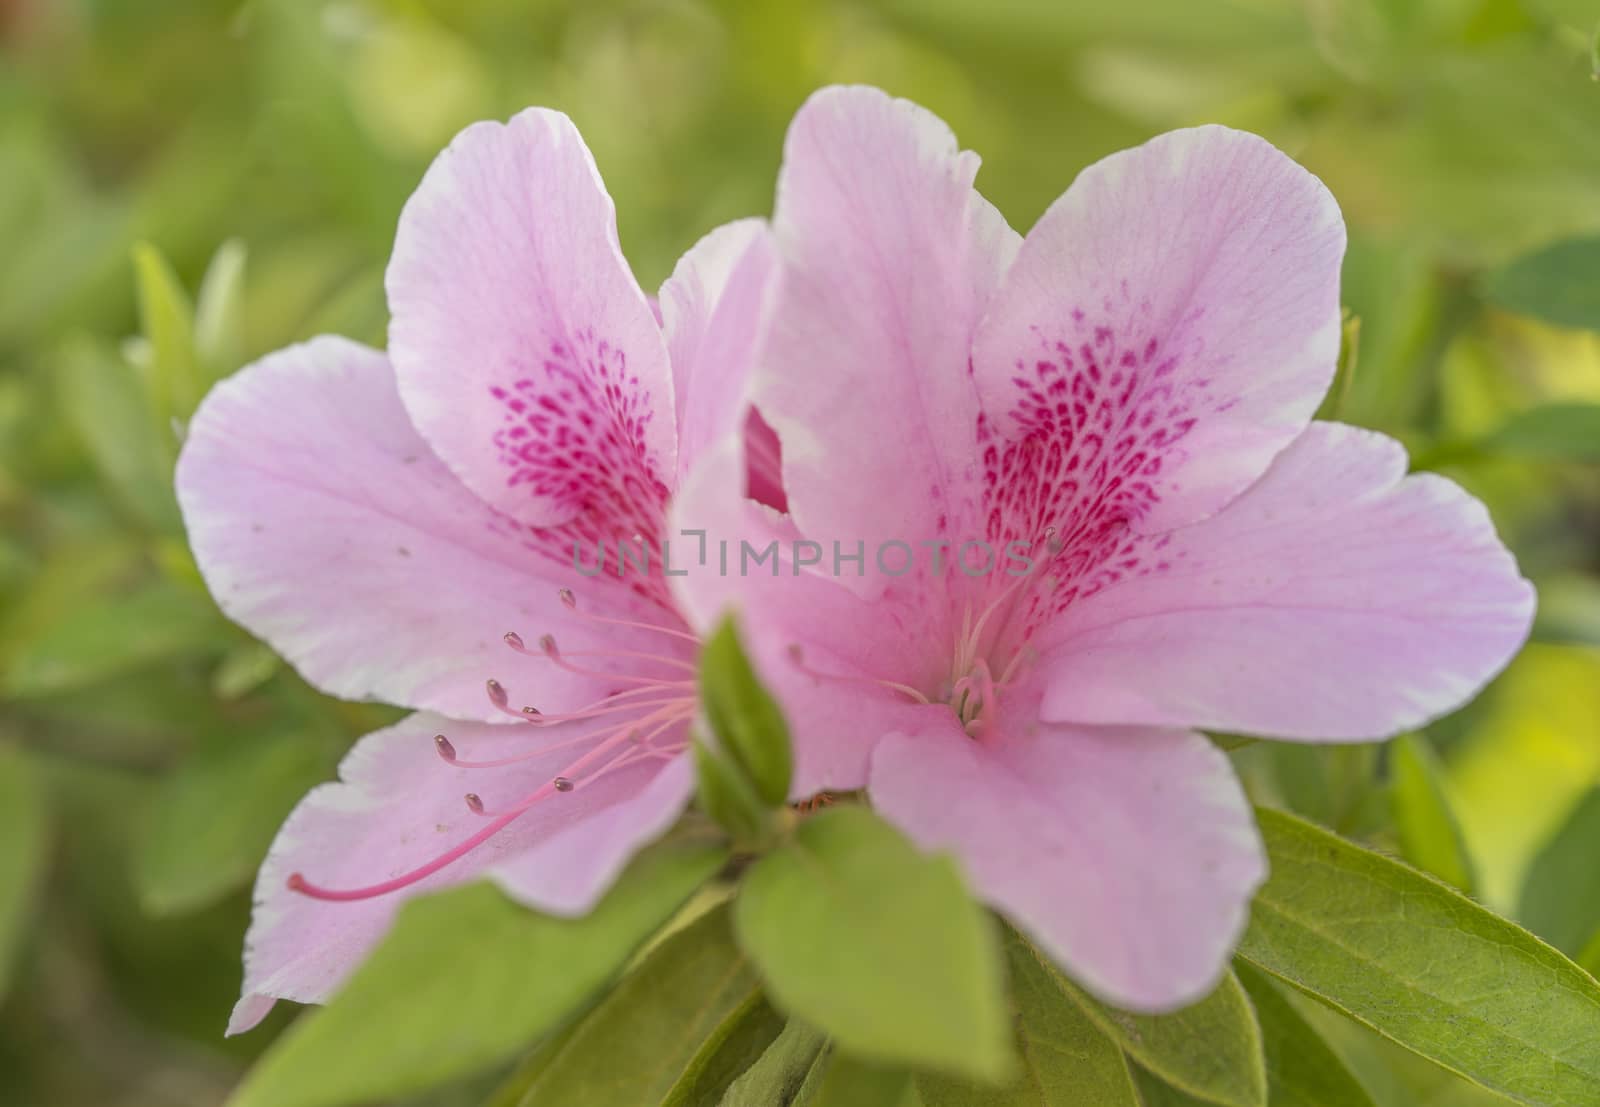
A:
[(527, 353), (1336, 599), (1128, 855), (889, 257), (398, 805), (714, 311), (830, 657), (326, 526), (1170, 324)]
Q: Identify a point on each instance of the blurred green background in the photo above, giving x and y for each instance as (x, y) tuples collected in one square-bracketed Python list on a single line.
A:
[(185, 185)]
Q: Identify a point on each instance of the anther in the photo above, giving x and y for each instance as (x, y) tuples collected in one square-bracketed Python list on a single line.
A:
[(568, 598), (474, 803), (547, 643), (532, 712), (446, 750), (497, 693), (512, 639), (562, 784)]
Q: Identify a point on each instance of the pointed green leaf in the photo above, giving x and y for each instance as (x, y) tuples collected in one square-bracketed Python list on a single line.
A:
[(726, 794), (638, 1041), (212, 820), (100, 398), (1424, 966), (1302, 1070), (1210, 1049), (464, 980), (1067, 1057), (167, 320), (1430, 838), (23, 841), (879, 946), (1559, 284), (745, 718), (738, 1044), (217, 315), (1561, 894), (776, 1079)]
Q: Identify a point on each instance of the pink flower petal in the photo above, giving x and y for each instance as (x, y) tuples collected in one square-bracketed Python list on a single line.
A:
[(398, 805), (1336, 599), (889, 257), (1128, 855), (1170, 323), (324, 524), (527, 353), (714, 311)]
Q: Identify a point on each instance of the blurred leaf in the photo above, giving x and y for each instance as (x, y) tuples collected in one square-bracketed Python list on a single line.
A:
[(844, 1081), (727, 795), (1561, 895), (731, 1050), (218, 322), (1210, 1049), (1430, 838), (23, 841), (749, 726), (101, 399), (638, 1041), (1067, 1058), (167, 320), (463, 980), (212, 819), (1553, 432), (1559, 284), (243, 669), (878, 945), (154, 622), (775, 1079), (1569, 610), (1425, 966), (1302, 1070)]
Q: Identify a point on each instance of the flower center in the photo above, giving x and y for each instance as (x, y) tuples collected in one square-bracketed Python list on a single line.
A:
[(644, 718)]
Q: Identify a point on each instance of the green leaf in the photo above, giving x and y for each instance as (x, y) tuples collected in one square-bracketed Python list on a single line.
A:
[(1425, 966), (218, 310), (744, 717), (157, 621), (167, 321), (878, 945), (728, 796), (637, 1042), (1559, 284), (1551, 432), (736, 1045), (1430, 837), (776, 1079), (1067, 1057), (1561, 894), (100, 399), (1302, 1070), (1569, 610), (844, 1081), (1211, 1049), (212, 820), (23, 842), (464, 980)]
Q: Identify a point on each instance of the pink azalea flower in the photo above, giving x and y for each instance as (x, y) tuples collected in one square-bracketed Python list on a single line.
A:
[(1128, 391), (402, 528)]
